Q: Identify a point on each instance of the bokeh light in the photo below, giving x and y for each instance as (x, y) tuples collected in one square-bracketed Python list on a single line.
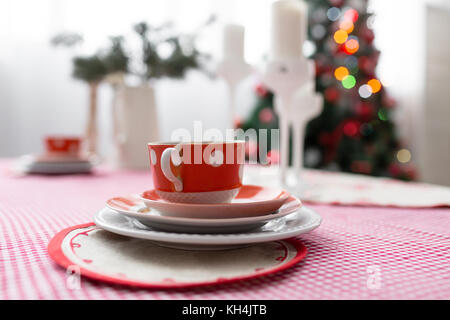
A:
[(351, 128), (333, 13), (351, 14), (340, 73), (348, 82), (319, 15), (318, 31), (351, 62), (365, 91), (375, 85), (351, 46), (383, 114), (309, 48), (347, 26), (403, 155), (340, 36)]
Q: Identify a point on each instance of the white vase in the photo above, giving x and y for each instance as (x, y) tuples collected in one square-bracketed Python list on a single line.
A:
[(135, 123), (91, 133)]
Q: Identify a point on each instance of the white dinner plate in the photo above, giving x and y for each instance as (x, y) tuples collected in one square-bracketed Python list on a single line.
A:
[(294, 224), (132, 207)]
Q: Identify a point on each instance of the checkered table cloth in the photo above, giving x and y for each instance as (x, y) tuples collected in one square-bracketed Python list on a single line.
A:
[(357, 252)]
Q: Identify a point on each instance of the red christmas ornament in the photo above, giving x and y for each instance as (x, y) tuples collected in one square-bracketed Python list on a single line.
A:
[(273, 157), (410, 172), (351, 128), (331, 94), (261, 90), (364, 110), (367, 65), (394, 169), (368, 35), (266, 115)]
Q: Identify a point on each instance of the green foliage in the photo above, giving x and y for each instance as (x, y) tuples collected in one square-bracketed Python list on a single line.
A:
[(180, 60), (89, 69), (95, 67), (183, 55), (66, 39), (115, 58), (150, 57)]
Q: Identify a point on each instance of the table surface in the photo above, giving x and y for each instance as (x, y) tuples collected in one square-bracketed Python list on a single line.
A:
[(357, 252)]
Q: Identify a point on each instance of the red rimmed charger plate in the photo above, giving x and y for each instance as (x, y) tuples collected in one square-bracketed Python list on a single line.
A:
[(104, 256)]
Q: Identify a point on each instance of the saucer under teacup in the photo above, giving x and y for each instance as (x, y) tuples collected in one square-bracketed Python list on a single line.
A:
[(134, 208), (250, 201)]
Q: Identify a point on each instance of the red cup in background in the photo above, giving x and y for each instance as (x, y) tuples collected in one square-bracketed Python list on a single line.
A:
[(63, 146)]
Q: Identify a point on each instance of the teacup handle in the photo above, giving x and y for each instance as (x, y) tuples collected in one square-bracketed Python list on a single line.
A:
[(167, 171)]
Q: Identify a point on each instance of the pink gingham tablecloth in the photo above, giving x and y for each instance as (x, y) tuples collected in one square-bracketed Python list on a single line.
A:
[(357, 252)]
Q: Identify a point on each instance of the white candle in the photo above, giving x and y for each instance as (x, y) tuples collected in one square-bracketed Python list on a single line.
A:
[(288, 29), (233, 42)]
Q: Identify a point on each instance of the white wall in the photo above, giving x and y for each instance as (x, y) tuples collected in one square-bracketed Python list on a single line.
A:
[(436, 139), (401, 35)]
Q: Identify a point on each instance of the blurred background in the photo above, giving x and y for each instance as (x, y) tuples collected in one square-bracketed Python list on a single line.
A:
[(396, 125)]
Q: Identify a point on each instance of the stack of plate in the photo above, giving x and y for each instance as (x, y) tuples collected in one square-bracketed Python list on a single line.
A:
[(257, 214), (53, 165)]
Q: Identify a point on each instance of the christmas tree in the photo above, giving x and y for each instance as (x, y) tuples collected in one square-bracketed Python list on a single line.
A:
[(355, 131)]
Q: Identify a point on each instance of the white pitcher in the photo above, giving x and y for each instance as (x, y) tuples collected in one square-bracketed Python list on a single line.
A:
[(135, 123)]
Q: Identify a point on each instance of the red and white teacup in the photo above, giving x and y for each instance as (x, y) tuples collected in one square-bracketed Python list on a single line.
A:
[(197, 172), (63, 146)]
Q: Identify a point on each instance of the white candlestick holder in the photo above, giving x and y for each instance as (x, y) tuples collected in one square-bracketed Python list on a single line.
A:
[(233, 72), (295, 102)]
